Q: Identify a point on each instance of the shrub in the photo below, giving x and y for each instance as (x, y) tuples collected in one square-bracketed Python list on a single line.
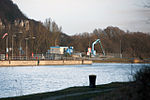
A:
[(143, 76), (142, 80)]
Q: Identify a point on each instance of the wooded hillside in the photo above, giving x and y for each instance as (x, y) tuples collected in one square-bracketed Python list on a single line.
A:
[(40, 36)]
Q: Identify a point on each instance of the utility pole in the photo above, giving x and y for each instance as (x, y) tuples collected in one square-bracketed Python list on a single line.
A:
[(26, 39), (33, 38), (7, 50), (13, 45), (26, 48), (120, 49), (90, 48), (20, 48)]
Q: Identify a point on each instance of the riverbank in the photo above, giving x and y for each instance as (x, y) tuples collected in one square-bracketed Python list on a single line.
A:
[(121, 60), (69, 62), (74, 93), (44, 62), (111, 91)]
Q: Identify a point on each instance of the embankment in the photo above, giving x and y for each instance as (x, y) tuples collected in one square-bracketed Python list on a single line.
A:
[(121, 60), (73, 93), (44, 62)]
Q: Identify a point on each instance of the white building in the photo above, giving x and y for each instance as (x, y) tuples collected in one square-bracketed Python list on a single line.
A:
[(58, 50)]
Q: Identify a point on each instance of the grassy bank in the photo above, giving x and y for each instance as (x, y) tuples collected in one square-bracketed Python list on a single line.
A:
[(122, 60), (113, 60), (137, 90), (74, 93)]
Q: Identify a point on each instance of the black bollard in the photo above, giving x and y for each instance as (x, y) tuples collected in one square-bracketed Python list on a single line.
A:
[(92, 80), (38, 62)]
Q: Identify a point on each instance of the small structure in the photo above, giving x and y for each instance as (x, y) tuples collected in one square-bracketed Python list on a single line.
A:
[(57, 50), (60, 50)]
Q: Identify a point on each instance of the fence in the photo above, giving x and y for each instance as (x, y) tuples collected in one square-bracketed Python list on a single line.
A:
[(59, 57), (43, 57)]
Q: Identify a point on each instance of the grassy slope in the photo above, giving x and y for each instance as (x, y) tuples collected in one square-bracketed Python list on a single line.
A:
[(122, 60), (42, 96)]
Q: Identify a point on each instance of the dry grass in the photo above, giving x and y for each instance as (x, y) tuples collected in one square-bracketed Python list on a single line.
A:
[(138, 90)]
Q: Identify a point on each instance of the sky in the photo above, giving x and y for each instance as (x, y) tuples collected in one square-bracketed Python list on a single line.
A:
[(78, 16)]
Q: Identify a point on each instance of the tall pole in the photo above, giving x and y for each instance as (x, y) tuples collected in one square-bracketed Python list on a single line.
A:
[(120, 50), (13, 45), (20, 50), (33, 38), (12, 48), (7, 48), (26, 48), (89, 48)]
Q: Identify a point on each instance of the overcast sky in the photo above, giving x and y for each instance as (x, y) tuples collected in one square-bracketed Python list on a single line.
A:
[(77, 16)]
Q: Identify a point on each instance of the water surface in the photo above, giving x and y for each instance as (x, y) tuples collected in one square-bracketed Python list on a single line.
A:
[(15, 81)]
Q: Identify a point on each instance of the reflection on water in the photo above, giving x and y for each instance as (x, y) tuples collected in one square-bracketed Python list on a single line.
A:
[(15, 81)]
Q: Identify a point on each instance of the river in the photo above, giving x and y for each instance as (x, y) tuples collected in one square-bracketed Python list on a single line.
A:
[(16, 81)]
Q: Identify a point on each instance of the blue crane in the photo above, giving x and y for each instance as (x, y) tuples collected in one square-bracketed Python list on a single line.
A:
[(94, 51)]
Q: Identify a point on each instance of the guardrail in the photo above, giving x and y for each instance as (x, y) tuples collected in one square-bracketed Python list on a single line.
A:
[(47, 58)]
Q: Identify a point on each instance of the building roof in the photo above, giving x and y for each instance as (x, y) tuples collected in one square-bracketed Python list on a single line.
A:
[(58, 47)]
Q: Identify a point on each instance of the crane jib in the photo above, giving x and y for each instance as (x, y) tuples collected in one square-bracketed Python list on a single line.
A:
[(93, 50)]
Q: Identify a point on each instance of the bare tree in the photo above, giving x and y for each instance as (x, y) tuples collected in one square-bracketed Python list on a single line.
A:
[(146, 3)]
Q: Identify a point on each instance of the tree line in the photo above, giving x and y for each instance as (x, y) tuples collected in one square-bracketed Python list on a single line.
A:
[(40, 36), (114, 40)]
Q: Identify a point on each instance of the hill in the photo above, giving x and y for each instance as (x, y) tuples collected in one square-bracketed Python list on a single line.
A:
[(10, 11), (24, 31)]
